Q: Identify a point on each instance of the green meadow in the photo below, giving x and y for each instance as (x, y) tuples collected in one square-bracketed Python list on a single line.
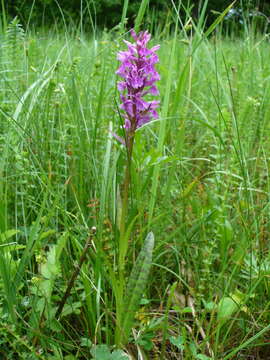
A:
[(189, 277)]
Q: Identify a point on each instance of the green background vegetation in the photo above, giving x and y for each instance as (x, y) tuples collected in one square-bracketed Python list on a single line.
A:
[(108, 12), (200, 183)]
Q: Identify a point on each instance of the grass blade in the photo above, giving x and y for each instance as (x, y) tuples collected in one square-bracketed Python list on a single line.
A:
[(140, 15)]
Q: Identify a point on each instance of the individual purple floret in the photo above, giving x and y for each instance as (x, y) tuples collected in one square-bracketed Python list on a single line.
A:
[(139, 77)]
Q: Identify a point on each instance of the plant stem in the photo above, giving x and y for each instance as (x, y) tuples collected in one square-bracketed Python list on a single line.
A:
[(125, 197), (123, 239), (73, 277), (4, 18)]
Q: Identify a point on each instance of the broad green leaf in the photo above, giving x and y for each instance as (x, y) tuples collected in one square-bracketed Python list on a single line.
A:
[(13, 246), (73, 308), (50, 269), (102, 352), (8, 234), (46, 234), (178, 341), (136, 285), (54, 325), (203, 357), (230, 305), (86, 342)]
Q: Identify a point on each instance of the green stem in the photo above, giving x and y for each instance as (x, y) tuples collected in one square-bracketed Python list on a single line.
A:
[(125, 200), (123, 241), (4, 18), (124, 14)]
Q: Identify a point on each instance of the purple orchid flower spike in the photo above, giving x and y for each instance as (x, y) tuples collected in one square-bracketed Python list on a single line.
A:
[(139, 77)]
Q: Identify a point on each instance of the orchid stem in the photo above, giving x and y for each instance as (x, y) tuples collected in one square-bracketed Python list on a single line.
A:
[(123, 246), (125, 201)]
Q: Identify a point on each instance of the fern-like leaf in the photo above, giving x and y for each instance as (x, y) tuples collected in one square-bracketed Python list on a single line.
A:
[(14, 42), (15, 33)]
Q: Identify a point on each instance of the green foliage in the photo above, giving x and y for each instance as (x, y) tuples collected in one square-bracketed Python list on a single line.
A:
[(15, 34), (102, 352), (108, 13), (229, 305), (135, 287), (61, 172)]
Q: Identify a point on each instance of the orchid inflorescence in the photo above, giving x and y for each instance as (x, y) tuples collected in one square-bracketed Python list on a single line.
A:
[(139, 76)]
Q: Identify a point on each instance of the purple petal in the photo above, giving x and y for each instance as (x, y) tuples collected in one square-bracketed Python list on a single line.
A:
[(141, 104), (128, 107), (133, 34), (131, 47), (127, 124), (139, 75), (153, 90), (121, 85), (119, 138), (143, 120), (155, 48), (136, 81)]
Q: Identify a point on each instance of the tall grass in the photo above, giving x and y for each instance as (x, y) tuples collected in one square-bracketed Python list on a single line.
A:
[(200, 183)]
